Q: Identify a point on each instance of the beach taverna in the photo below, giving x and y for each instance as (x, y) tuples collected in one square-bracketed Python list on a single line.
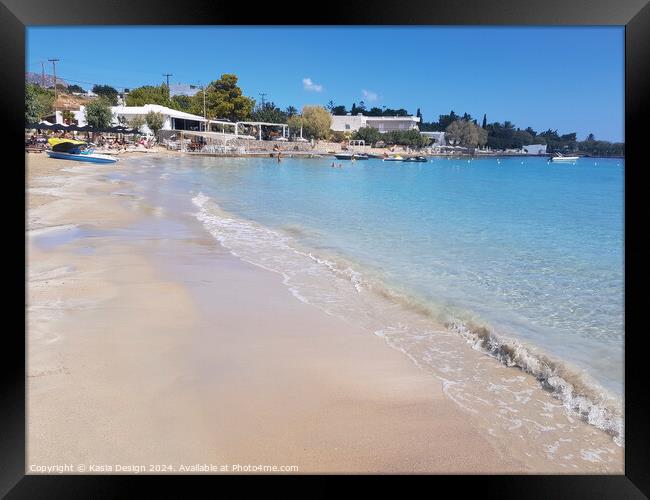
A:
[(174, 119)]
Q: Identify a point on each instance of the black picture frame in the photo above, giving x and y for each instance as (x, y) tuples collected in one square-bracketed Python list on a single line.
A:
[(15, 15)]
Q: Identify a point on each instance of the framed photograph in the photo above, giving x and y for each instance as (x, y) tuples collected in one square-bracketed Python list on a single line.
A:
[(385, 240)]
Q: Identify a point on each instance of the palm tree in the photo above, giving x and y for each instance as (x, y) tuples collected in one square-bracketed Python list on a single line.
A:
[(291, 111), (68, 116)]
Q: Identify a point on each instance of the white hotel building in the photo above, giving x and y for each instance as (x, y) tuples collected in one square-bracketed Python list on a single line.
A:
[(352, 123)]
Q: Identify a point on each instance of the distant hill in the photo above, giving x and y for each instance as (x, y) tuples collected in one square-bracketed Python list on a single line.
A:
[(49, 79)]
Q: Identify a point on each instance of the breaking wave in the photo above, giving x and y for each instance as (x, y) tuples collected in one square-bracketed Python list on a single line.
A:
[(352, 291)]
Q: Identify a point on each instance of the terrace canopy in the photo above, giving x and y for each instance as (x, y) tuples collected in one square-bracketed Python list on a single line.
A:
[(75, 128)]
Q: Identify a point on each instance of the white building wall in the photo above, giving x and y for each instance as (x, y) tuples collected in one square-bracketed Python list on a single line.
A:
[(535, 149), (438, 138), (131, 112), (348, 123), (352, 123)]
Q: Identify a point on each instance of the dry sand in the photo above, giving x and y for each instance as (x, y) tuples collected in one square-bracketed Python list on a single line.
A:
[(167, 351)]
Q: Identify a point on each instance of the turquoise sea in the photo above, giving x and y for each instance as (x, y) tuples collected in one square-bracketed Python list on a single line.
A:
[(522, 258)]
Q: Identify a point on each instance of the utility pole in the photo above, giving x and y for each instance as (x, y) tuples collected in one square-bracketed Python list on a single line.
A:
[(167, 75), (262, 95), (204, 113), (54, 61)]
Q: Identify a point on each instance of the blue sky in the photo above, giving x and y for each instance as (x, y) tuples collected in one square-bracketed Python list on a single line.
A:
[(564, 78)]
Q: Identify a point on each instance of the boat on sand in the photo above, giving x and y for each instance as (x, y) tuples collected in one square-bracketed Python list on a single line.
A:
[(70, 149)]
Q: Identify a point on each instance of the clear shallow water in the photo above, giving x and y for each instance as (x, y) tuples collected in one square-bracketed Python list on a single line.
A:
[(531, 250)]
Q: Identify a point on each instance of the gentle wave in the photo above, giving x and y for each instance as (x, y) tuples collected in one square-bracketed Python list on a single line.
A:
[(279, 253)]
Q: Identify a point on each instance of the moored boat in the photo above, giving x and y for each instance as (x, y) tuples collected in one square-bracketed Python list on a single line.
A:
[(561, 157), (351, 156), (394, 158), (416, 159)]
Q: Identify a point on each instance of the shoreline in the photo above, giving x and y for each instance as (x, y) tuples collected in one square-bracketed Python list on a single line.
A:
[(353, 405)]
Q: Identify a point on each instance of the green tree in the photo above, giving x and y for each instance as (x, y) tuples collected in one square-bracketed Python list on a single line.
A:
[(137, 122), (466, 133), (269, 112), (224, 99), (295, 122), (182, 102), (39, 103), (98, 113), (484, 126), (32, 111), (31, 114), (339, 110), (411, 138), (75, 88), (316, 122), (154, 121), (291, 111), (369, 134), (68, 116), (107, 92), (151, 94)]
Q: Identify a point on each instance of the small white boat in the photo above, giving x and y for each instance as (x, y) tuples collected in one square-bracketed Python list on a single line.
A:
[(88, 157), (394, 158), (351, 156), (561, 157), (70, 149)]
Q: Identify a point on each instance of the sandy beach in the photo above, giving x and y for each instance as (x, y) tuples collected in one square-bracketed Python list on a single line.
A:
[(129, 367), (152, 349)]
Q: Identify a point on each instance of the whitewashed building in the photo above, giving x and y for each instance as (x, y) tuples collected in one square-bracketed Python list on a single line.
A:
[(172, 118), (352, 123), (534, 149), (437, 138)]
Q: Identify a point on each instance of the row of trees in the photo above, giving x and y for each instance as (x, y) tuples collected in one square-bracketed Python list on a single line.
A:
[(411, 138), (224, 99), (507, 136), (340, 110)]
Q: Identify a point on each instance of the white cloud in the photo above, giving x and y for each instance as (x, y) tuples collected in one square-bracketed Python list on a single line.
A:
[(369, 95), (309, 85)]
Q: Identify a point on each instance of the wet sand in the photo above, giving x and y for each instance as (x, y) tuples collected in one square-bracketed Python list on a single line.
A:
[(159, 349), (127, 366)]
